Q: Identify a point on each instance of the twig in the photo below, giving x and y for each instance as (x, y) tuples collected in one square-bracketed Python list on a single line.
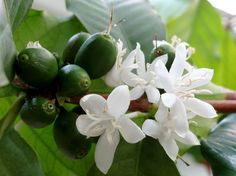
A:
[(221, 106)]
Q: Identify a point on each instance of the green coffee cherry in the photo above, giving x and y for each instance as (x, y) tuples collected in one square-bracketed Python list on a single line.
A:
[(39, 112), (97, 55), (36, 67), (72, 80), (161, 50), (68, 139), (73, 45)]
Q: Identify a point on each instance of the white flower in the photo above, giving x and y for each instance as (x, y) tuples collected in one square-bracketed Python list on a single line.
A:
[(113, 77), (35, 44), (107, 118), (181, 85), (144, 80), (168, 128)]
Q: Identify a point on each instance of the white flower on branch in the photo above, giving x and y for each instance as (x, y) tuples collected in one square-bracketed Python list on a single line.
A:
[(144, 78), (183, 86), (113, 77), (168, 127), (107, 119)]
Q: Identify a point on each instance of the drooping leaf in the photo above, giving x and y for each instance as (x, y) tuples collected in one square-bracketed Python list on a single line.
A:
[(7, 47), (141, 23), (53, 162), (146, 158), (17, 10), (50, 31), (16, 157), (219, 148)]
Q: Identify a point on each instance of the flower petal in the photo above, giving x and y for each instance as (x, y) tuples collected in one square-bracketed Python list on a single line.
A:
[(82, 124), (93, 103), (162, 113), (129, 130), (178, 64), (136, 92), (151, 128), (180, 121), (170, 147), (201, 108), (168, 99), (140, 59), (129, 78), (153, 94), (163, 76), (197, 78), (118, 101), (105, 151), (189, 139)]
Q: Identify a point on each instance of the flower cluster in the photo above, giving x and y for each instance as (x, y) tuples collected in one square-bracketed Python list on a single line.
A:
[(177, 103)]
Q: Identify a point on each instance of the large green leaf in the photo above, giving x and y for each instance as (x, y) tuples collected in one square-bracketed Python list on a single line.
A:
[(49, 30), (219, 148), (54, 163), (171, 8), (7, 47), (215, 48), (16, 157), (17, 10), (146, 158), (141, 24)]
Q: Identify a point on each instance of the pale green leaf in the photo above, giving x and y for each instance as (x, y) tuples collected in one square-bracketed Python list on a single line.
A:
[(7, 47), (17, 10), (142, 24)]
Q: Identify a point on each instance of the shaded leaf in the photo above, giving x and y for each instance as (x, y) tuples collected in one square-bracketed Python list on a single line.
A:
[(146, 158), (54, 163), (16, 157), (50, 31), (141, 23), (219, 148), (17, 10), (7, 48)]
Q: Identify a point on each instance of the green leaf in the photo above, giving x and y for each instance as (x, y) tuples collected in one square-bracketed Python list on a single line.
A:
[(219, 148), (7, 48), (50, 31), (197, 27), (54, 163), (147, 158), (170, 9), (16, 157), (141, 23), (17, 10), (215, 47), (8, 90)]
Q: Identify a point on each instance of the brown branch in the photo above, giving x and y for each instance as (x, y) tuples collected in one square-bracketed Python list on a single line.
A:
[(221, 106)]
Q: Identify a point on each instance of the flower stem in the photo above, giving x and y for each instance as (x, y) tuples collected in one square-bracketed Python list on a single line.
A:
[(12, 113)]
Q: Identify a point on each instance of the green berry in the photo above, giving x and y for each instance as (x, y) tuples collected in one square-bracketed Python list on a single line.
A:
[(39, 112), (97, 55), (73, 45), (161, 50), (72, 80), (36, 66), (68, 139)]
